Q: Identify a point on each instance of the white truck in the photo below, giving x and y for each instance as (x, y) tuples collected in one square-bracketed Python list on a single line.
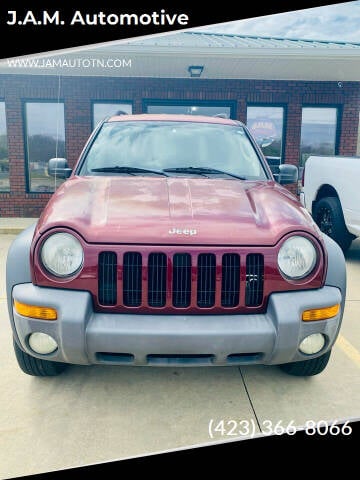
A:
[(331, 193)]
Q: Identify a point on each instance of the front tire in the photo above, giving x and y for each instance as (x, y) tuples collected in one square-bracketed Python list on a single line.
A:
[(329, 217), (36, 366), (307, 368)]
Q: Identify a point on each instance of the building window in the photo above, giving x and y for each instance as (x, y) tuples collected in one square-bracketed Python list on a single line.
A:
[(102, 110), (4, 158), (318, 132), (266, 123), (358, 138), (212, 109), (44, 139)]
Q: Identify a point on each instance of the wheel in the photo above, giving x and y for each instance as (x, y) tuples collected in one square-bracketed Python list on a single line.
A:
[(307, 368), (36, 366), (329, 217)]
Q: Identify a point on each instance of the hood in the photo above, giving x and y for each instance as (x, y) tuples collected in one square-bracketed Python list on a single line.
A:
[(176, 210)]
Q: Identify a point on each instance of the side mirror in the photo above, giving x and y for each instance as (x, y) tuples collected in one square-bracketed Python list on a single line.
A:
[(59, 167), (287, 174)]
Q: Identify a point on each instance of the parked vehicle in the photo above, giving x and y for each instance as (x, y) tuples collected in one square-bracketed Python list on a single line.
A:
[(170, 244), (331, 195)]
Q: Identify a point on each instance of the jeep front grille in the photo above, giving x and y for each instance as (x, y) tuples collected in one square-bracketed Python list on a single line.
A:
[(199, 281), (254, 279), (157, 279), (181, 290), (132, 268), (206, 270), (107, 272), (230, 281)]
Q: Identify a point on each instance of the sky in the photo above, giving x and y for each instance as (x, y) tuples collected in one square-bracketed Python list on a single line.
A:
[(339, 22)]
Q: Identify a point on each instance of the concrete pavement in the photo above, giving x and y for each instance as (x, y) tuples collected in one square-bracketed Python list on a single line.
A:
[(101, 413), (13, 226)]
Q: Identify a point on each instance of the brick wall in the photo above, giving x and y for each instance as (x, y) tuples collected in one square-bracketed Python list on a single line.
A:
[(78, 93)]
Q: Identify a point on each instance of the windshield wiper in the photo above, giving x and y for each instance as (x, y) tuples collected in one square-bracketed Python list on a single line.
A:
[(201, 171), (129, 170)]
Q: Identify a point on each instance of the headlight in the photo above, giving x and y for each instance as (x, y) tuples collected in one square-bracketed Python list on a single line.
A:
[(297, 257), (62, 254)]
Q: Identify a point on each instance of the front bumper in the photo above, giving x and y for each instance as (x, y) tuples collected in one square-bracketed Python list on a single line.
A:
[(86, 337)]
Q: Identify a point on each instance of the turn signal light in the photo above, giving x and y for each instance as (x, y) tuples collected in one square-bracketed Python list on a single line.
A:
[(320, 313), (34, 311)]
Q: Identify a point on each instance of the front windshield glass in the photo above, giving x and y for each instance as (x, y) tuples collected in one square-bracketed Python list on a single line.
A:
[(167, 146)]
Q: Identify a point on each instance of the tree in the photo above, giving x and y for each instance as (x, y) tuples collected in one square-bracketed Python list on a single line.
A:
[(43, 147)]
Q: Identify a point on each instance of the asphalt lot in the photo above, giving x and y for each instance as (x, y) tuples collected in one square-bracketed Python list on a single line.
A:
[(102, 413)]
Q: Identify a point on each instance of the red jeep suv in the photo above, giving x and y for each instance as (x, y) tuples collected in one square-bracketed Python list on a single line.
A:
[(171, 244)]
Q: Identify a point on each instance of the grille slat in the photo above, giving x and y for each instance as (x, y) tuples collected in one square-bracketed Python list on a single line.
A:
[(107, 274), (230, 282), (132, 269), (157, 279), (181, 280), (206, 280), (254, 291)]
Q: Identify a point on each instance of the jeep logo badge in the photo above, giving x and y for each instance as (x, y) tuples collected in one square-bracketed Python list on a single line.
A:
[(183, 231)]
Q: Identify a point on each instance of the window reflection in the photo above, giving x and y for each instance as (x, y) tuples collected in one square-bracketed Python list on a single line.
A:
[(45, 138), (266, 125), (106, 109), (223, 111), (4, 157), (162, 145), (318, 132)]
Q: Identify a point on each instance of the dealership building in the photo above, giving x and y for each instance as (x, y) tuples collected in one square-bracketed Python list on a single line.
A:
[(298, 97)]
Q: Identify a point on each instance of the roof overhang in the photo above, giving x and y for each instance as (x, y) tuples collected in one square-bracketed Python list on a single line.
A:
[(126, 60)]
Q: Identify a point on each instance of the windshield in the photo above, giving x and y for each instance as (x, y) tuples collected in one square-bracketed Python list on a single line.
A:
[(173, 149)]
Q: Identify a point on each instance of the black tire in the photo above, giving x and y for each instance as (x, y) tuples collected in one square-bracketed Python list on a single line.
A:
[(36, 366), (307, 368), (329, 217)]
